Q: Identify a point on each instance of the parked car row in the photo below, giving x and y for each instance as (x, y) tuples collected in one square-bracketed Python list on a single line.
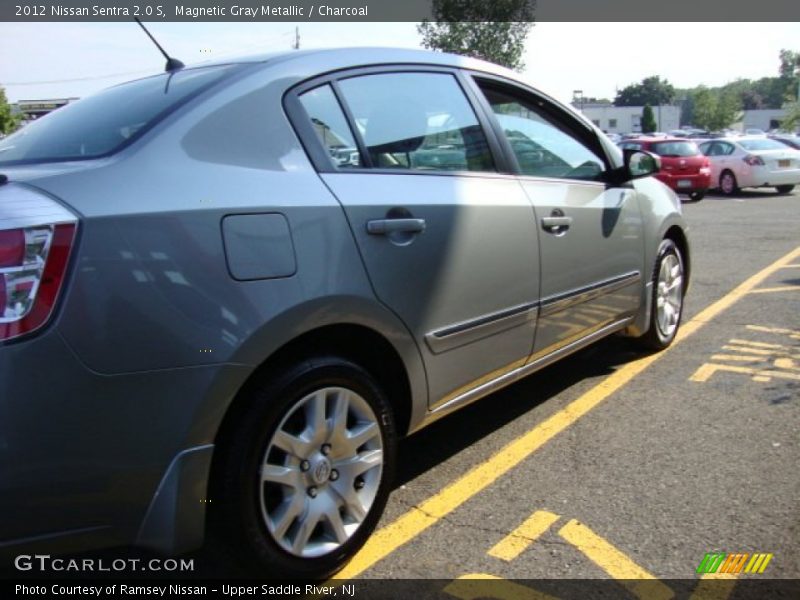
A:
[(726, 163), (752, 162)]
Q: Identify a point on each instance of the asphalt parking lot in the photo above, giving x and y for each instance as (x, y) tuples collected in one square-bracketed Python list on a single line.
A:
[(613, 464)]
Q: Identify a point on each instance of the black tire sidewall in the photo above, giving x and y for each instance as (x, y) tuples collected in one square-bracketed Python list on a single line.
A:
[(735, 183), (239, 521), (657, 337)]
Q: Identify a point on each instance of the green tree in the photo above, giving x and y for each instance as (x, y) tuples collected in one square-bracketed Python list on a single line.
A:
[(648, 119), (652, 90), (715, 109), (790, 64), (792, 119), (493, 31), (8, 120)]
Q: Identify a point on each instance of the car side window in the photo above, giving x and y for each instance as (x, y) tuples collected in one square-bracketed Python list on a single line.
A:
[(707, 148), (725, 149), (417, 121), (331, 127), (543, 148), (630, 146)]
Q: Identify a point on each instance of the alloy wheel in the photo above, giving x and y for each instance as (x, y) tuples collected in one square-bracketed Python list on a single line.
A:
[(321, 472), (669, 290)]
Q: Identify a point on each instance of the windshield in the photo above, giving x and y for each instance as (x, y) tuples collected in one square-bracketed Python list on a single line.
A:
[(676, 149), (105, 122), (765, 144)]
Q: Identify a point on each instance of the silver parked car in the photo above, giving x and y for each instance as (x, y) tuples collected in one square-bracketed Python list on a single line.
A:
[(227, 290)]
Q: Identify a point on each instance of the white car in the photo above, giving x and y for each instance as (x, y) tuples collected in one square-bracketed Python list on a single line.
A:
[(752, 162)]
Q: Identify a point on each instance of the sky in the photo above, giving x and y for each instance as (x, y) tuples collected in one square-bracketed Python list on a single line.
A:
[(59, 60)]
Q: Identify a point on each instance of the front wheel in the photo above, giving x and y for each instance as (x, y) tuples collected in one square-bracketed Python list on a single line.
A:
[(303, 477), (784, 189), (696, 196), (666, 306)]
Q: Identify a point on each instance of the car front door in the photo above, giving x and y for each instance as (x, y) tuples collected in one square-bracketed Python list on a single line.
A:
[(590, 233), (449, 243)]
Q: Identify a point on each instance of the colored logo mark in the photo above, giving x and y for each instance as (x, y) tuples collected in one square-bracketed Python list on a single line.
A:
[(723, 562)]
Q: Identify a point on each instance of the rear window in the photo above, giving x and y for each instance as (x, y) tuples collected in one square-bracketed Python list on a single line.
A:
[(676, 149), (105, 122), (765, 144)]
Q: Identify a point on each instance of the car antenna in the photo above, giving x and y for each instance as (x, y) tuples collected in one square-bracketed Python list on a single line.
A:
[(173, 64)]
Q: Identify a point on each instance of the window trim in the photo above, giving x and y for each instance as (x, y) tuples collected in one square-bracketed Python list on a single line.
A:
[(321, 159), (551, 111)]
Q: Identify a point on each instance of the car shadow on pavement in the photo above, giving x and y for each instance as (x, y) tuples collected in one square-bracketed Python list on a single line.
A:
[(438, 442)]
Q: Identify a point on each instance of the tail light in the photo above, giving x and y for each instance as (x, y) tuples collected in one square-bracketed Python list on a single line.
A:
[(36, 236), (753, 160)]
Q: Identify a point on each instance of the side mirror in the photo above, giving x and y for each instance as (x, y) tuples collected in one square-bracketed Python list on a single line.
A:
[(639, 163)]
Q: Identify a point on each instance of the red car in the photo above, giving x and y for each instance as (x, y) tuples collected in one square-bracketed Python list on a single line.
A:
[(683, 167)]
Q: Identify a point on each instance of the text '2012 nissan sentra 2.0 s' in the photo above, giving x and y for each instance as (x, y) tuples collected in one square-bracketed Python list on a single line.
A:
[(226, 291)]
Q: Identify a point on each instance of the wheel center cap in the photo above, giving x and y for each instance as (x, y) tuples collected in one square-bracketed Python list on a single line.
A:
[(321, 471)]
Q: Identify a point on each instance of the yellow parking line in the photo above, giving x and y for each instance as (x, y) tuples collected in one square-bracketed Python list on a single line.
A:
[(756, 344), (419, 518), (714, 586), (614, 562), (481, 585), (514, 544), (780, 330), (772, 290)]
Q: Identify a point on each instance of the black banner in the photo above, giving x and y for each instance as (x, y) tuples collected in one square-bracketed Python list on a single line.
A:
[(467, 587), (394, 10)]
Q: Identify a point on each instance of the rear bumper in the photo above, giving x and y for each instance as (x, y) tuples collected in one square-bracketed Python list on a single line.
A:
[(90, 460), (763, 176), (685, 183)]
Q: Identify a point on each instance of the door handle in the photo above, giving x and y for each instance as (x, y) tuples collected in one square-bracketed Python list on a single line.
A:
[(387, 226), (556, 224)]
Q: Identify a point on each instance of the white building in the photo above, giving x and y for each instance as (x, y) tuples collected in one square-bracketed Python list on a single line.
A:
[(763, 119), (628, 119)]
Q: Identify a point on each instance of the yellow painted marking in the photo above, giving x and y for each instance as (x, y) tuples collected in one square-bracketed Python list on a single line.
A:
[(708, 369), (760, 378), (714, 586), (757, 344), (773, 290), (790, 332), (416, 520), (614, 562), (787, 363), (481, 585), (515, 543), (737, 358), (759, 351)]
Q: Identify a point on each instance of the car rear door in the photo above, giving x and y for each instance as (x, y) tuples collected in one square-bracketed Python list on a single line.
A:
[(590, 233), (450, 244)]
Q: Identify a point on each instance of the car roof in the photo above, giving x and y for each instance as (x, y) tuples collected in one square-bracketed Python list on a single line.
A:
[(370, 55)]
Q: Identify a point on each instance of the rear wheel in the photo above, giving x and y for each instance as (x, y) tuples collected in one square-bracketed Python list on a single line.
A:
[(727, 183), (696, 196), (784, 189), (305, 475), (666, 306)]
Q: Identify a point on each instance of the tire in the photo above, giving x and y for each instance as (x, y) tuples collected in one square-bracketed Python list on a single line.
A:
[(784, 189), (727, 183), (696, 196), (304, 473), (666, 307)]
